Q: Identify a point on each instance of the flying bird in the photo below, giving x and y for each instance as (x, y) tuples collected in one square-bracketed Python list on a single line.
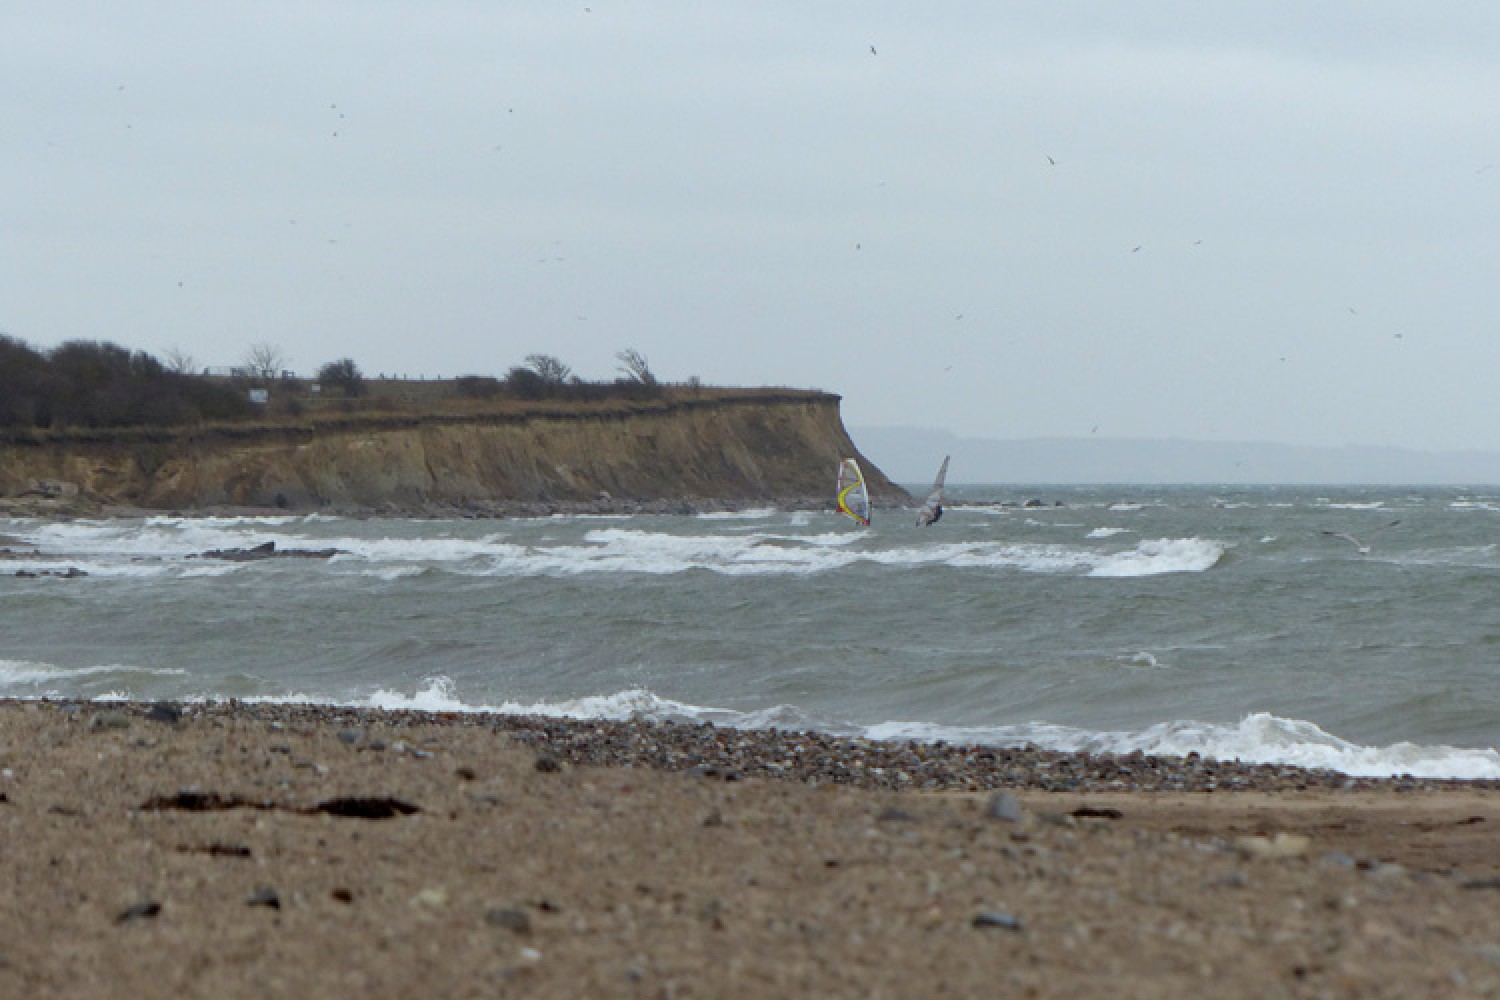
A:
[(1362, 546), (872, 51)]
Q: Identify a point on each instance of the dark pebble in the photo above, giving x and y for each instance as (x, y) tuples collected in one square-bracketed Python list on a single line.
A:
[(139, 911), (511, 920), (996, 919), (165, 713), (1488, 882), (1094, 812), (264, 896)]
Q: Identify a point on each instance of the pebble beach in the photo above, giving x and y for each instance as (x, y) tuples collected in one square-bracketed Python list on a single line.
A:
[(239, 850)]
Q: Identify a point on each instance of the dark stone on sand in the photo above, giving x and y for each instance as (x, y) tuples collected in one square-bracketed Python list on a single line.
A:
[(228, 850), (512, 920), (1489, 882), (191, 800), (349, 736), (891, 814), (366, 807), (164, 712), (548, 764), (264, 896), (1095, 812), (342, 895), (997, 920), (139, 911)]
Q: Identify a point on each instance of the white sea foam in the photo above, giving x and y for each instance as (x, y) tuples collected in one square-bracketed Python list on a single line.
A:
[(750, 514), (625, 550), (168, 547), (439, 694), (1259, 738), (1162, 555), (31, 672), (1107, 532)]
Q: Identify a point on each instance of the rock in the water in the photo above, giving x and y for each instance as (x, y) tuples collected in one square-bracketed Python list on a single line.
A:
[(267, 550)]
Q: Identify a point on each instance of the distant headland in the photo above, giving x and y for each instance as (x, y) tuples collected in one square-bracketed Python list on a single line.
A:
[(92, 427)]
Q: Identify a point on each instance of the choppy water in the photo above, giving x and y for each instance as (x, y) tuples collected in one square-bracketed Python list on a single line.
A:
[(1168, 619)]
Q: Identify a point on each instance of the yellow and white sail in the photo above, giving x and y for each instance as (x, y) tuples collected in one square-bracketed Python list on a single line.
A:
[(853, 495)]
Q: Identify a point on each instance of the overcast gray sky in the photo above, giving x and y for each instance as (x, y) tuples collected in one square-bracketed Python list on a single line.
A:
[(1268, 221)]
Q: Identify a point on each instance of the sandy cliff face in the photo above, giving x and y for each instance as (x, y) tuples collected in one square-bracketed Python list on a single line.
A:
[(744, 450)]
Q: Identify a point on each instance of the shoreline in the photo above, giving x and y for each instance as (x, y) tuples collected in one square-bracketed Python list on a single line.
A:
[(809, 756), (235, 849), (51, 509)]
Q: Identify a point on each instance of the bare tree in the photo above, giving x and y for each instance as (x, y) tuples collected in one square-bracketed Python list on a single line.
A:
[(635, 366), (175, 359), (551, 370), (633, 363), (265, 360)]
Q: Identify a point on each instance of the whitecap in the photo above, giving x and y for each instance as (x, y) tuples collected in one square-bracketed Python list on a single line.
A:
[(1161, 555), (749, 514), (1260, 738)]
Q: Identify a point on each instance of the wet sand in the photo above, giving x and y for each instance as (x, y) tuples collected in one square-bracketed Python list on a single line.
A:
[(253, 851)]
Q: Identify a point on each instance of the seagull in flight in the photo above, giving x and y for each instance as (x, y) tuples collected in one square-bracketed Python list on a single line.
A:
[(1363, 547)]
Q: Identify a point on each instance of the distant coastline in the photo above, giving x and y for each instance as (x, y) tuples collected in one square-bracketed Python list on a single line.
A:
[(909, 454)]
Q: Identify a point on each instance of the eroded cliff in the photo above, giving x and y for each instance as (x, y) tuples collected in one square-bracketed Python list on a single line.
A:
[(755, 448)]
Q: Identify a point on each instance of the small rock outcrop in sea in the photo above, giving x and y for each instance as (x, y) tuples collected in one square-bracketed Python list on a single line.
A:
[(71, 573), (267, 550)]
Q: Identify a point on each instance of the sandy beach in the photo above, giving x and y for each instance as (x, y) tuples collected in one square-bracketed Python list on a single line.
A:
[(256, 850)]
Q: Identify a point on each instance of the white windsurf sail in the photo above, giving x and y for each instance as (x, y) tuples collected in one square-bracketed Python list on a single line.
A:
[(853, 496), (932, 509)]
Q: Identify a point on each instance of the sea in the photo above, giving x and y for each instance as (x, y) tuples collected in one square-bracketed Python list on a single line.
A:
[(1233, 622)]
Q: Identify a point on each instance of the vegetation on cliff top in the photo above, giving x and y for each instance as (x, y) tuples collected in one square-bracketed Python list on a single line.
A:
[(100, 390)]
